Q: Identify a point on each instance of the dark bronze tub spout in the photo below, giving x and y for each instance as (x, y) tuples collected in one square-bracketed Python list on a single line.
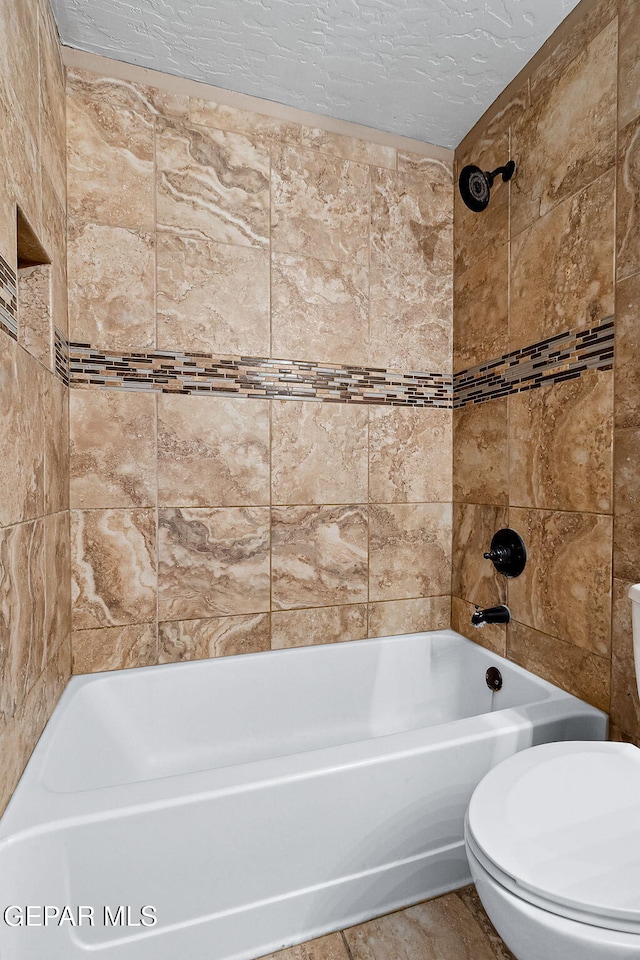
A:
[(499, 614)]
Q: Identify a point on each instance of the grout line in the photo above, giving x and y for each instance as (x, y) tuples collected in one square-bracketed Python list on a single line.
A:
[(530, 509), (262, 613), (346, 945)]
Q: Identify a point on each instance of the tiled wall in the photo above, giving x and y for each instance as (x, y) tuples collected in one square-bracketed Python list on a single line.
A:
[(34, 518), (559, 462), (209, 516)]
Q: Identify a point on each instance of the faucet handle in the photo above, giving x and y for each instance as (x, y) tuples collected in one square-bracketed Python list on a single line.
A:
[(498, 555)]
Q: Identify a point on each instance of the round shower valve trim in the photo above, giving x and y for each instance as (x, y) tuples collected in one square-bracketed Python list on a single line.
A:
[(508, 552)]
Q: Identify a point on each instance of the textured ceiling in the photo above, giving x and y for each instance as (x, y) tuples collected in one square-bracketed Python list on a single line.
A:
[(426, 69)]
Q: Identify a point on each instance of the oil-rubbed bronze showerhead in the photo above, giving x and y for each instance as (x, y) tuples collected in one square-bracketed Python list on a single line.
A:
[(475, 184)]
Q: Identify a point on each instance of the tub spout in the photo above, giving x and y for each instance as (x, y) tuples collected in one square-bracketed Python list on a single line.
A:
[(499, 614)]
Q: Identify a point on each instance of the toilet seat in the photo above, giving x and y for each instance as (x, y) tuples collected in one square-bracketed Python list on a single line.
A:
[(558, 825)]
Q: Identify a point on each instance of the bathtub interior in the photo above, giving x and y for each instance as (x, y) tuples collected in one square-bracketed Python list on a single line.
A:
[(165, 721)]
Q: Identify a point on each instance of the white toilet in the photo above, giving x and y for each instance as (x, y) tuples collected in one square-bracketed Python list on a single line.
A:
[(553, 842)]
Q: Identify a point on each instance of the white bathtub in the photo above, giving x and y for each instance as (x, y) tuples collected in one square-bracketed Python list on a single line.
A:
[(259, 801)]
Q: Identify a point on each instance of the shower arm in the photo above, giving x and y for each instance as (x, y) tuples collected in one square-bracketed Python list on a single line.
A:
[(507, 172)]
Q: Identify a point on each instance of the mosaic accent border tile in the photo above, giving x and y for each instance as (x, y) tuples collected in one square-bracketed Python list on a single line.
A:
[(197, 373), (563, 357), (61, 351), (8, 300)]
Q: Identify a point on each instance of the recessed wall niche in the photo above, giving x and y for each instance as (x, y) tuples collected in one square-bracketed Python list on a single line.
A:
[(35, 324)]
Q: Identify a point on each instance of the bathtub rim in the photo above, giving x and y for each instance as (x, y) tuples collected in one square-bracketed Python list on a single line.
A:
[(34, 808)]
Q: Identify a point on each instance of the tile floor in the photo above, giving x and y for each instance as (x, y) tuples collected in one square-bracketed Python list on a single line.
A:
[(452, 927)]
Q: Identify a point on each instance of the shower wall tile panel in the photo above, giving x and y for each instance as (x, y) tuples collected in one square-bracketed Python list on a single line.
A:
[(558, 452), (555, 164), (628, 63), (35, 591), (262, 405)]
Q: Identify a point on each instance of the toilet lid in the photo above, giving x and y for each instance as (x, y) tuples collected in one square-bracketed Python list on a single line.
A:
[(561, 822)]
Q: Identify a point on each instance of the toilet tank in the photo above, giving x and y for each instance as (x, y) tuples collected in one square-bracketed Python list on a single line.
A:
[(634, 594)]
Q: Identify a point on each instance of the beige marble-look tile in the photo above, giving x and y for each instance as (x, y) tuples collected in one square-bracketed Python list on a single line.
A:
[(318, 452), (20, 55), (409, 455), (579, 671), (113, 557), (481, 452), (319, 206), (434, 170), (481, 309), (56, 445), (257, 126), (303, 628), (22, 441), (349, 148), (20, 167), (12, 757), (54, 237), (212, 297), (409, 550), (319, 556), (567, 137), (594, 19), (561, 445), (439, 928), (109, 153), (471, 900), (22, 612), (474, 578), (628, 201), (142, 98), (627, 339), (111, 286), (628, 62), (213, 451), (52, 106), (394, 617), (217, 637), (20, 735), (7, 210), (330, 947), (492, 636), (625, 704), (626, 496), (20, 68), (212, 185), (114, 648), (212, 562), (57, 575), (319, 310), (562, 267), (565, 589), (485, 143), (35, 321), (112, 449), (411, 299)]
